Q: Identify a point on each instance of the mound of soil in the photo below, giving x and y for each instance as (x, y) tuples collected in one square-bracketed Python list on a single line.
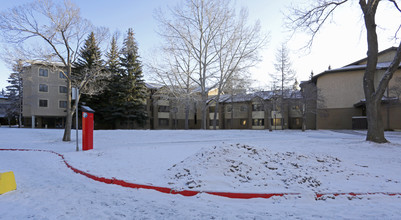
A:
[(249, 168)]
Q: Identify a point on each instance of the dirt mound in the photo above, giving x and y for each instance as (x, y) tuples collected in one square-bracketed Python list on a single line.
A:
[(249, 168)]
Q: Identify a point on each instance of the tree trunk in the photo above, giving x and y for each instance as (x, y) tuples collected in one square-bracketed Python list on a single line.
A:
[(68, 121), (269, 119), (204, 111), (373, 99), (186, 115), (216, 110), (375, 123), (303, 122)]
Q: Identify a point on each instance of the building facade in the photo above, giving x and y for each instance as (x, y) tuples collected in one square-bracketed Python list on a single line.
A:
[(45, 103), (44, 96), (340, 103)]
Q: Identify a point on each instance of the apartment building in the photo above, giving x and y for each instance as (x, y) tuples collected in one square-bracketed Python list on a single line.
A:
[(257, 110), (340, 99), (45, 102), (44, 96)]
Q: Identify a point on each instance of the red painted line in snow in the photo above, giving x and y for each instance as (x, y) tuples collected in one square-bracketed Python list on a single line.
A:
[(191, 192)]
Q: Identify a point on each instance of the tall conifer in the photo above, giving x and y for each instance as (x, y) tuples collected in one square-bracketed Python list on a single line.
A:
[(131, 102), (90, 59)]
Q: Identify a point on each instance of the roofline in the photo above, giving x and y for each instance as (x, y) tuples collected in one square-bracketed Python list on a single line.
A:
[(366, 58), (362, 66)]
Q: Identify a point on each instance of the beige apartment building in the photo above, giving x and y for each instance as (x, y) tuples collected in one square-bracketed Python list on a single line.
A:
[(257, 110), (44, 96), (45, 102), (341, 96)]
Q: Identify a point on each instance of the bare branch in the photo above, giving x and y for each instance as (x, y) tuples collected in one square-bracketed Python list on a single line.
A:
[(311, 20)]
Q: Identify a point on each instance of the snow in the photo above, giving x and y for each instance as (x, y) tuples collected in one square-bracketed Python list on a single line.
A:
[(224, 160)]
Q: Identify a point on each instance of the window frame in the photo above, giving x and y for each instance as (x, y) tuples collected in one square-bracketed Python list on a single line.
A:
[(47, 103), (43, 86), (43, 75), (61, 75), (258, 122), (60, 91), (59, 104)]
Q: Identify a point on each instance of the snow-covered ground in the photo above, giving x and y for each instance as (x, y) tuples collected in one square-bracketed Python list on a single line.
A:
[(225, 161)]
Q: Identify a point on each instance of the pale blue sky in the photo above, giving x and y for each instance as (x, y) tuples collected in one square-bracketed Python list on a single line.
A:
[(339, 43)]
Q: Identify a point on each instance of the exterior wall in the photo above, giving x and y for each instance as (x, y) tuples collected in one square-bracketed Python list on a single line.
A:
[(385, 57), (336, 118), (391, 116), (32, 95), (238, 115), (340, 91)]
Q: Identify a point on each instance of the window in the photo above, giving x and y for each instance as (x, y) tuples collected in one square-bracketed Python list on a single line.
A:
[(62, 104), (43, 72), (243, 122), (211, 122), (258, 122), (229, 108), (62, 89), (164, 108), (276, 121), (62, 76), (257, 107), (42, 103), (212, 108), (43, 88), (163, 122), (243, 108)]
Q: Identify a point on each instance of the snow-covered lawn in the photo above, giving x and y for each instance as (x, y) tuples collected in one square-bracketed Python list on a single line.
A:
[(225, 161)]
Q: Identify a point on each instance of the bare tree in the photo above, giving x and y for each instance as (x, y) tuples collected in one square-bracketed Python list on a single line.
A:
[(311, 19), (237, 46), (284, 75), (176, 72), (218, 43), (58, 31)]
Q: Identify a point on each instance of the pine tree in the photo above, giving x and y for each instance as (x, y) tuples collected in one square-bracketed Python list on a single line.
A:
[(112, 90), (14, 95), (113, 57), (90, 59), (130, 104)]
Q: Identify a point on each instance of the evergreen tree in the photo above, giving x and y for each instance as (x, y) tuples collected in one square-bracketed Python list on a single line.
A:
[(131, 95), (111, 92), (14, 95), (89, 57), (89, 61), (113, 57)]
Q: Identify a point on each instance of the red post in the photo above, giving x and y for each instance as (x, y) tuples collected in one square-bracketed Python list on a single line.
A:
[(87, 130)]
